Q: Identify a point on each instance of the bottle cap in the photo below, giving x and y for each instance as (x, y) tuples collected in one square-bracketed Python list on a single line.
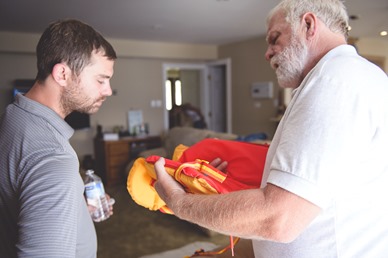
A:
[(89, 172)]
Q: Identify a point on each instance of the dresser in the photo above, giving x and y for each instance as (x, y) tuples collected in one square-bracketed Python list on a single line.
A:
[(112, 157)]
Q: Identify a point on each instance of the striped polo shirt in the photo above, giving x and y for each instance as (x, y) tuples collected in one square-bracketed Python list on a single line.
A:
[(42, 209)]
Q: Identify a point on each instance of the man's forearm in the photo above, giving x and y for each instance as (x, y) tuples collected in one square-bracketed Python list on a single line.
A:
[(236, 213)]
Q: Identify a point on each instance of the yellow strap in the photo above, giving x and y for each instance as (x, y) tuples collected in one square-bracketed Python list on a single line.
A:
[(203, 167)]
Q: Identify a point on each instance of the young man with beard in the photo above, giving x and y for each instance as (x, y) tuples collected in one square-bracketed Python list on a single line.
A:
[(42, 209), (324, 190)]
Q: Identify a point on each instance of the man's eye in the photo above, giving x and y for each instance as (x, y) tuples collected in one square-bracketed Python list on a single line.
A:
[(274, 39)]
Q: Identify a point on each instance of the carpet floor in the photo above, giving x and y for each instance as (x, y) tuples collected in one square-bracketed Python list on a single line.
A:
[(134, 231)]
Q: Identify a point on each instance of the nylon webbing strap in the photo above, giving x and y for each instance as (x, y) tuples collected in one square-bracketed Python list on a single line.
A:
[(202, 166)]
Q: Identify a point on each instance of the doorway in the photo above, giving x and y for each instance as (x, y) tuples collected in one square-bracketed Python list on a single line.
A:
[(211, 92), (183, 100)]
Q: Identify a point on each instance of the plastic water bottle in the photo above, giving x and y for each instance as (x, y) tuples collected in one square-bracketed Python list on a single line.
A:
[(95, 196)]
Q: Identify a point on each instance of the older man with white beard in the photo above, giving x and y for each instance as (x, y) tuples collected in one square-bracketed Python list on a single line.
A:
[(323, 192)]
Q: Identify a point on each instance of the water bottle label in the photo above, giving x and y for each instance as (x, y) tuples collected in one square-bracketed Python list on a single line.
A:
[(94, 190)]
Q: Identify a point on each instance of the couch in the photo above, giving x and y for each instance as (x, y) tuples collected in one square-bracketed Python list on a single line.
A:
[(186, 136), (180, 135)]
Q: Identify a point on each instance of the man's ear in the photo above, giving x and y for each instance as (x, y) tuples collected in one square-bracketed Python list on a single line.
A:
[(61, 73), (309, 23)]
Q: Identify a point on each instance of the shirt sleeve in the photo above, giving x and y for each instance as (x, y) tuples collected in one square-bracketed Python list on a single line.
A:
[(49, 201)]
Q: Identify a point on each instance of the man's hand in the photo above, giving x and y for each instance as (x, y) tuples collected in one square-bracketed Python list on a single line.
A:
[(165, 185), (110, 201)]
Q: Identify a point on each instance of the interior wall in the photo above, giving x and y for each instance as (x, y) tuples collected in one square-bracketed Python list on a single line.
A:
[(374, 49), (14, 66), (136, 82), (250, 115)]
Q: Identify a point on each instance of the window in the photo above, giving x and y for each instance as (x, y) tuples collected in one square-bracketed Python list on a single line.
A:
[(173, 89)]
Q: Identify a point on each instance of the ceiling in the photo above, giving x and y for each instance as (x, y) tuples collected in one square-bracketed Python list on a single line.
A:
[(185, 21)]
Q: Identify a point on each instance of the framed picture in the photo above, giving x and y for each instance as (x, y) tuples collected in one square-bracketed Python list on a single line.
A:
[(135, 121)]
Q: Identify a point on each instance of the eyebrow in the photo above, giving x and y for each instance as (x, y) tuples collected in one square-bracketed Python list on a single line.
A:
[(104, 76)]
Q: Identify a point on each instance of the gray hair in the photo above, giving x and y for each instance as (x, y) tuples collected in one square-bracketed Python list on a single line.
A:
[(331, 12)]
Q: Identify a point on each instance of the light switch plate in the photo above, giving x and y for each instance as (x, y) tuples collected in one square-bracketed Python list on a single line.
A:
[(262, 90)]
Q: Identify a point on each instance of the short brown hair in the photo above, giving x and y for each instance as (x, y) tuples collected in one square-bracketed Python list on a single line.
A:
[(72, 42)]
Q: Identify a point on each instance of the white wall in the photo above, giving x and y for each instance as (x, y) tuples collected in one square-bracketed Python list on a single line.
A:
[(14, 66), (375, 48)]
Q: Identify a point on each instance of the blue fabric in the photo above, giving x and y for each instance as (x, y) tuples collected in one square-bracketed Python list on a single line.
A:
[(252, 137)]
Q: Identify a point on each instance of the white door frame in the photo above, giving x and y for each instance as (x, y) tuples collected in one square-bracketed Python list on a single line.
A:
[(204, 87), (228, 91)]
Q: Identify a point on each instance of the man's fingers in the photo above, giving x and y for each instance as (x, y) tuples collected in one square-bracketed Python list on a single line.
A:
[(111, 201), (215, 162), (165, 184), (219, 164), (159, 166), (91, 208)]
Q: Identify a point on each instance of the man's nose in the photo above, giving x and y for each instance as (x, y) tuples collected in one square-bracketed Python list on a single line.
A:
[(269, 54), (107, 90)]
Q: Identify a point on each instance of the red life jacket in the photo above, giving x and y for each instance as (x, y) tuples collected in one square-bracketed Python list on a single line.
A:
[(190, 166)]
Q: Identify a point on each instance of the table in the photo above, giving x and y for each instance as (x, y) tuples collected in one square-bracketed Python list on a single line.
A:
[(112, 157)]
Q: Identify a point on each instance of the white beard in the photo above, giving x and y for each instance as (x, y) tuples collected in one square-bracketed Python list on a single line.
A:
[(291, 62)]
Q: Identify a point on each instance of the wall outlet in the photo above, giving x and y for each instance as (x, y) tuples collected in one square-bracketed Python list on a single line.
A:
[(156, 103)]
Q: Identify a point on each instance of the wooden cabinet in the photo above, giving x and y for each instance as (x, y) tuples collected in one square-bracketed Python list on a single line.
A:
[(112, 157)]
